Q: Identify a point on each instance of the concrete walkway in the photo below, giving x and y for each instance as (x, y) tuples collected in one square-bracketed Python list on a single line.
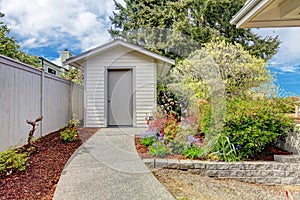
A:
[(107, 166)]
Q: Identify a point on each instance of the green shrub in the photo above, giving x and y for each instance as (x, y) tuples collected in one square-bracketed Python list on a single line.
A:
[(147, 141), (177, 147), (158, 149), (225, 151), (205, 114), (253, 124), (171, 128), (69, 134), (285, 105), (167, 100), (193, 152), (12, 161)]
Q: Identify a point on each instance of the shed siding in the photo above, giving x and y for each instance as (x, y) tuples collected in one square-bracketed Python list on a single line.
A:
[(145, 84)]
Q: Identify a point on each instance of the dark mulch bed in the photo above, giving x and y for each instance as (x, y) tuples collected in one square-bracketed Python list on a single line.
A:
[(40, 178), (268, 155)]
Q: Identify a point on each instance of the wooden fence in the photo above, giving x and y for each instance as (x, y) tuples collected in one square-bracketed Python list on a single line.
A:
[(27, 93)]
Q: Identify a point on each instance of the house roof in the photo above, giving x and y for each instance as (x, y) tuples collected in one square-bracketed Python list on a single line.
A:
[(268, 13), (78, 60)]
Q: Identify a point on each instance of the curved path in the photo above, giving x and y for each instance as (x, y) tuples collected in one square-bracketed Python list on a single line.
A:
[(107, 166)]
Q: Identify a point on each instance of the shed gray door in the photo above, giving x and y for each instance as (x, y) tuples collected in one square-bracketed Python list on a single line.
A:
[(120, 97)]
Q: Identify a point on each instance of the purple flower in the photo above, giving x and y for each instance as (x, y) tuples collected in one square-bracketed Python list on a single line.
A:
[(155, 145), (191, 139), (160, 138)]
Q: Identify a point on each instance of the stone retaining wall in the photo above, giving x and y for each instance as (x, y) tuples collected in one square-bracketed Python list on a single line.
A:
[(271, 173), (292, 143)]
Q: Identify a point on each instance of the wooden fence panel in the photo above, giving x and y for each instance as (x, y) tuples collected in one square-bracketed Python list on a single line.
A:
[(27, 93)]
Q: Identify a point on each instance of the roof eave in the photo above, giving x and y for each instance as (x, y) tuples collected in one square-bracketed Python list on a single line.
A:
[(83, 56), (248, 12)]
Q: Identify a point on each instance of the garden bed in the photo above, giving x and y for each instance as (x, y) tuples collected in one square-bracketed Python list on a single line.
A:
[(40, 178), (268, 155)]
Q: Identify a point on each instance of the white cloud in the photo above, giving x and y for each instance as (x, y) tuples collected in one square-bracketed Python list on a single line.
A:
[(289, 51), (44, 23), (288, 68)]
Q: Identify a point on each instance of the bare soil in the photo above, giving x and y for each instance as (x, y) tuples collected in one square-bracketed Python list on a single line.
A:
[(184, 185), (40, 178)]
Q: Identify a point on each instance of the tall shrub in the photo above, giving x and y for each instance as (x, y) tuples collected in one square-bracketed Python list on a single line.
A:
[(253, 124)]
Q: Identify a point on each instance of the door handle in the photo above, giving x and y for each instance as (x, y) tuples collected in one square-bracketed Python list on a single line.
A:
[(108, 100)]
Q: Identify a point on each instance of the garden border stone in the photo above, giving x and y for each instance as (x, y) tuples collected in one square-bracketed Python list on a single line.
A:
[(265, 172)]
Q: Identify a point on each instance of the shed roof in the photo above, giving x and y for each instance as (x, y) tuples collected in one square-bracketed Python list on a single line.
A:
[(78, 60), (268, 13)]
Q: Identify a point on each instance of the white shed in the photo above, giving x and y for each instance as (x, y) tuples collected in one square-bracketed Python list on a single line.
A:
[(119, 83)]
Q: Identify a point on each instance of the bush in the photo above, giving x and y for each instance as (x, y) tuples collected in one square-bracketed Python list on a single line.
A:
[(148, 137), (193, 152), (12, 161), (253, 124), (147, 141), (158, 149), (171, 128), (168, 101), (286, 105), (69, 134), (177, 147), (225, 151)]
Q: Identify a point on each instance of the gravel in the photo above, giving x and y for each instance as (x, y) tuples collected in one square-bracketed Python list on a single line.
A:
[(184, 185)]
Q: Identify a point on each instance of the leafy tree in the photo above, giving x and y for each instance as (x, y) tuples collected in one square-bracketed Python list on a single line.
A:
[(219, 60), (200, 20), (10, 48), (75, 75)]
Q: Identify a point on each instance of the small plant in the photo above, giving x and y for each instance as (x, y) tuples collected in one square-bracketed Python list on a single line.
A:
[(193, 152), (226, 151), (158, 149), (148, 137), (177, 147), (12, 161), (171, 129), (69, 134), (147, 141)]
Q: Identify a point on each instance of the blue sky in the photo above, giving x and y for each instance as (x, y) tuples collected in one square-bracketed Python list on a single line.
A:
[(44, 27)]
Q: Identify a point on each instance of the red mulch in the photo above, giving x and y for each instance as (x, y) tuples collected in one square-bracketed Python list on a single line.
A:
[(40, 178), (268, 155)]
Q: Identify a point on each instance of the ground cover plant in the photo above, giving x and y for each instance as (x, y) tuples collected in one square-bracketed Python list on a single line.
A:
[(69, 133), (12, 161)]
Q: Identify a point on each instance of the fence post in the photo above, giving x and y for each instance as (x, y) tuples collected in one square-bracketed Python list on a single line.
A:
[(42, 100), (70, 100)]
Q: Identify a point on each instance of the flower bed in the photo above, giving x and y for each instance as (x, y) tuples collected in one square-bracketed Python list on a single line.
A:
[(250, 130)]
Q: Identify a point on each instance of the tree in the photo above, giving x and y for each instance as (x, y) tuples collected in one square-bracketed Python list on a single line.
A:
[(200, 20), (219, 62), (10, 48), (75, 75)]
